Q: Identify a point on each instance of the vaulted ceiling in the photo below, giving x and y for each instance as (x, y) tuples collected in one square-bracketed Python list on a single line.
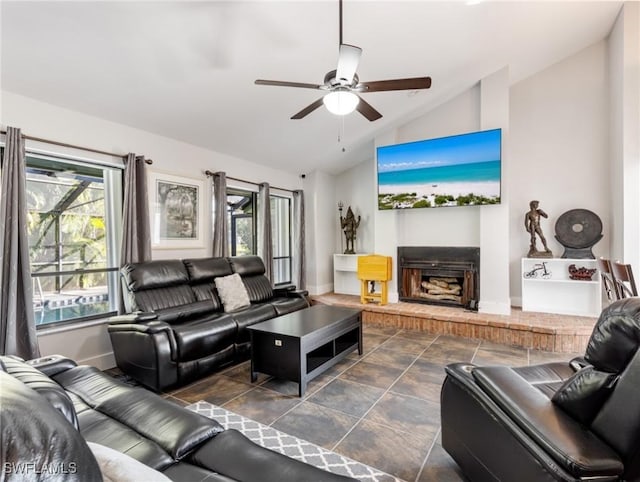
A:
[(186, 70)]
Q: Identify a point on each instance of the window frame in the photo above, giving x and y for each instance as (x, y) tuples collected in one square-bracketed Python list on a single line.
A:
[(234, 190), (289, 240), (112, 175)]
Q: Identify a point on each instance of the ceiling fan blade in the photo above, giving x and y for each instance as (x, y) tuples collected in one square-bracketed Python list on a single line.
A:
[(397, 84), (280, 83), (308, 109), (367, 110), (348, 60)]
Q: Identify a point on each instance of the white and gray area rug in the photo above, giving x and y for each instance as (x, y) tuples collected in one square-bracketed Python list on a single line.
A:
[(293, 447)]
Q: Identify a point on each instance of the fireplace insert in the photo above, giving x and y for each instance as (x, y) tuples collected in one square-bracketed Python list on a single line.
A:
[(439, 275)]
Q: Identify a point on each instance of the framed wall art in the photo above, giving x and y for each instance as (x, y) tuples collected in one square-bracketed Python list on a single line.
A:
[(177, 211)]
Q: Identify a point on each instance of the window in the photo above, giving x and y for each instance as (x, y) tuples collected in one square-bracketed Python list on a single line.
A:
[(242, 212), (242, 216), (74, 210), (281, 238)]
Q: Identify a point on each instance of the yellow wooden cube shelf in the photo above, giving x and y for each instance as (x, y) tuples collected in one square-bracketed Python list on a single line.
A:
[(374, 268)]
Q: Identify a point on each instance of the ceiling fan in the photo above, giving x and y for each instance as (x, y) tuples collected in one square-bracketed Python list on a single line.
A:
[(342, 85)]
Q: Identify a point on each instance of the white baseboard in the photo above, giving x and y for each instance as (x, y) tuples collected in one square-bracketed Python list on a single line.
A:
[(516, 301), (320, 289), (102, 362)]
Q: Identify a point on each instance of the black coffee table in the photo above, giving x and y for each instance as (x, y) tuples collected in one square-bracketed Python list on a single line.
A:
[(301, 345)]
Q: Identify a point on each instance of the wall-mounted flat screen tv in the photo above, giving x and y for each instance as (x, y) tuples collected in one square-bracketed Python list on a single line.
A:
[(460, 170)]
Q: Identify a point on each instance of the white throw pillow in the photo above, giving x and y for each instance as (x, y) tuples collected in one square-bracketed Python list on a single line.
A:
[(118, 467), (232, 292)]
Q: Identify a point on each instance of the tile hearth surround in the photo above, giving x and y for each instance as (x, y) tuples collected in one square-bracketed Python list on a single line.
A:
[(540, 331), (381, 409)]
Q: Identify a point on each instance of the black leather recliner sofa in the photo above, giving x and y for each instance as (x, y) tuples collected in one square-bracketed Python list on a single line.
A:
[(578, 420), (177, 330), (52, 408)]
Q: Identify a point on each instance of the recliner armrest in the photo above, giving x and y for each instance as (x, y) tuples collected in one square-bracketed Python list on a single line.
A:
[(134, 317), (148, 328), (52, 365), (577, 450), (299, 293), (283, 289), (290, 291)]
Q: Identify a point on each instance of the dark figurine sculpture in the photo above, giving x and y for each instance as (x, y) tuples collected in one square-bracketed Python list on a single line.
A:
[(350, 225), (532, 225)]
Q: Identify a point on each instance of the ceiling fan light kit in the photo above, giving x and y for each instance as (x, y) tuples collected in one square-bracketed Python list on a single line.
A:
[(341, 102), (343, 83)]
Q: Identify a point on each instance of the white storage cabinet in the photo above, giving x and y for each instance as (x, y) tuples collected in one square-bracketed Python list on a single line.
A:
[(555, 292)]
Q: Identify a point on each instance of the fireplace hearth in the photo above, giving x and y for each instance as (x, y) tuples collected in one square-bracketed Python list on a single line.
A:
[(439, 275)]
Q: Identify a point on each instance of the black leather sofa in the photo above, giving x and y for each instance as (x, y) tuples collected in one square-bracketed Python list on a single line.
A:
[(47, 421), (578, 420), (177, 329)]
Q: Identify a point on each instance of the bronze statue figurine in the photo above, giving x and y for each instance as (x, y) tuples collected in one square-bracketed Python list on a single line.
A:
[(349, 224), (532, 225)]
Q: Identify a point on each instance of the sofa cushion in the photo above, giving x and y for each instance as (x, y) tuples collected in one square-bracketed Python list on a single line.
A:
[(186, 312), (100, 428), (154, 274), (30, 425), (250, 316), (258, 287), (582, 395), (161, 298), (232, 292), (174, 429), (42, 384), (118, 467), (155, 285), (202, 273), (235, 456), (247, 265), (202, 337), (207, 269)]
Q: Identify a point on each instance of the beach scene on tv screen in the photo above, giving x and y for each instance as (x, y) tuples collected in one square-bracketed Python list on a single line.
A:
[(462, 170)]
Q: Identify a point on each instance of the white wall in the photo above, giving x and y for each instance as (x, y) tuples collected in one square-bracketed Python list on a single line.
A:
[(477, 108), (426, 227), (353, 188), (320, 226), (494, 220), (555, 149), (455, 226), (559, 150), (624, 149), (91, 344)]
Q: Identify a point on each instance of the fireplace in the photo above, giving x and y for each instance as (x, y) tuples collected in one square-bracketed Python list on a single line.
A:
[(439, 275)]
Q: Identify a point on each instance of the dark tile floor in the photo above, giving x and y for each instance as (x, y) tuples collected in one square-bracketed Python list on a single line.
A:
[(382, 409)]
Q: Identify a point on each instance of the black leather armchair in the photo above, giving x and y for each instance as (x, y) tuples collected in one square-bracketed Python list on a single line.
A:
[(578, 420), (177, 330)]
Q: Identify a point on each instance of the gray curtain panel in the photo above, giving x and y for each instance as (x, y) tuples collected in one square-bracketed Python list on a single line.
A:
[(17, 319), (136, 230), (299, 266), (220, 222), (265, 243)]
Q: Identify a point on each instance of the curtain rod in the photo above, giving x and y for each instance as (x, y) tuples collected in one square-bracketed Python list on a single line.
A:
[(209, 173), (64, 144)]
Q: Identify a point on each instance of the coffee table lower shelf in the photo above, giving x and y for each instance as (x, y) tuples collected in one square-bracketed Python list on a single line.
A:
[(301, 354)]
